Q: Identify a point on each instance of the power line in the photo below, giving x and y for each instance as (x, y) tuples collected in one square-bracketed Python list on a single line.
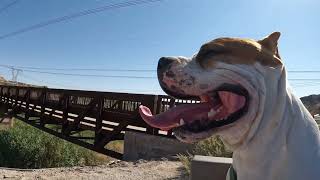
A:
[(82, 75), (43, 82), (77, 74), (85, 69), (113, 76), (304, 86), (8, 6), (77, 15), (305, 83), (119, 70), (91, 75), (300, 79), (303, 71), (46, 83), (130, 77)]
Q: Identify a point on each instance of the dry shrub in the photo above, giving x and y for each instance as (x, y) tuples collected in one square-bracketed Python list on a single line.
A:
[(26, 147), (208, 147)]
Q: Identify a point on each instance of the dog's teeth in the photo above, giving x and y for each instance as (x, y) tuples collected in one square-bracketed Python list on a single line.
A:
[(182, 122), (225, 118), (211, 113)]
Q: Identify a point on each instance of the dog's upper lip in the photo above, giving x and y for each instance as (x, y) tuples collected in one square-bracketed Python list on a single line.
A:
[(177, 95)]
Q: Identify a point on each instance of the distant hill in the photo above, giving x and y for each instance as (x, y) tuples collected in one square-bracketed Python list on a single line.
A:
[(312, 103), (3, 81)]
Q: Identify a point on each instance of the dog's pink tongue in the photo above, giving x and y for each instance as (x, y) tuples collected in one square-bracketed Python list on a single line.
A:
[(171, 118), (232, 102), (189, 112)]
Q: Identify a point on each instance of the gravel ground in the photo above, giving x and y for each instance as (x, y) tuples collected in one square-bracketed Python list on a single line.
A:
[(117, 170)]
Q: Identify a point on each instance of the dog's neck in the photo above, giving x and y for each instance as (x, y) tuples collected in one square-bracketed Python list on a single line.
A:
[(278, 136)]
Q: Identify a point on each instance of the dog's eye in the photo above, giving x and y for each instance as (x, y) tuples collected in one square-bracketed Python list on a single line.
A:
[(206, 55), (208, 51), (203, 56)]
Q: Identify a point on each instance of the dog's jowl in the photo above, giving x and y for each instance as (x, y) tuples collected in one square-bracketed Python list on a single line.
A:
[(245, 98)]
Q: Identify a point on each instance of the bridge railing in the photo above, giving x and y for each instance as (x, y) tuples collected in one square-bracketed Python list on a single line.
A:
[(106, 114)]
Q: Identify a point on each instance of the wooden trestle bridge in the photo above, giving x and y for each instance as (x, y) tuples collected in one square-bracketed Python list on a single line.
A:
[(107, 115)]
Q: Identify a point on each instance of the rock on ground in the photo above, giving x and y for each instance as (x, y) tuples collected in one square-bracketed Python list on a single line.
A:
[(117, 170)]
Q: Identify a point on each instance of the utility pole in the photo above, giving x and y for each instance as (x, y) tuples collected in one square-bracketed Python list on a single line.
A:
[(15, 72)]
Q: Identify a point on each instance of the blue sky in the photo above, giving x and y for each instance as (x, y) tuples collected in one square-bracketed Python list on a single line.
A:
[(136, 37)]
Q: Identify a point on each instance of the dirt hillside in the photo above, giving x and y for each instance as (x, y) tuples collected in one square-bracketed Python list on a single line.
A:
[(312, 103), (141, 170)]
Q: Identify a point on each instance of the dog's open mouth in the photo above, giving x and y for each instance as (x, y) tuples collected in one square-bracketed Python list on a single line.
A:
[(220, 107)]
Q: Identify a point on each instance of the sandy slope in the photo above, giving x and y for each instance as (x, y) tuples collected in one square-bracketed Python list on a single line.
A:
[(141, 170)]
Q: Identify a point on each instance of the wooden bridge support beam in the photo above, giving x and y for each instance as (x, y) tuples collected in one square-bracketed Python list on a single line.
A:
[(42, 103), (98, 128), (26, 114), (65, 121)]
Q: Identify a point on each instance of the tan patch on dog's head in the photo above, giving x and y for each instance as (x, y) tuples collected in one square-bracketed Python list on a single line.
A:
[(240, 51)]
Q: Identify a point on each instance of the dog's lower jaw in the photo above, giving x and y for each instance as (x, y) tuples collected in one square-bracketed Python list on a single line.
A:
[(189, 137)]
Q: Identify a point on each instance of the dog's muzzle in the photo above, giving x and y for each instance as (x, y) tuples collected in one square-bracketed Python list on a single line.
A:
[(218, 107), (163, 69)]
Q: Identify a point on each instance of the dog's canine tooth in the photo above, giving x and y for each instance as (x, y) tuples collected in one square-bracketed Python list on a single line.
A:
[(211, 113), (219, 109), (181, 122), (225, 118)]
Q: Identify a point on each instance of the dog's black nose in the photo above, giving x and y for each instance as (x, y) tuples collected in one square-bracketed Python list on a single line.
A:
[(164, 62)]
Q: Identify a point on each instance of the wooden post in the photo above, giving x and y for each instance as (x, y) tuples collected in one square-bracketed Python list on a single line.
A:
[(26, 114), (43, 102), (65, 114), (99, 113)]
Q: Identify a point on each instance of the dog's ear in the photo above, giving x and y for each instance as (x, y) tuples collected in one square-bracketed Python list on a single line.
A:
[(271, 43)]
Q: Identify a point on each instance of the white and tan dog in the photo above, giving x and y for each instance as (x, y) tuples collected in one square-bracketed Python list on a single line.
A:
[(245, 98)]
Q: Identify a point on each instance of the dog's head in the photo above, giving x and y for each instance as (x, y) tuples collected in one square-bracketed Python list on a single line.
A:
[(225, 76)]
